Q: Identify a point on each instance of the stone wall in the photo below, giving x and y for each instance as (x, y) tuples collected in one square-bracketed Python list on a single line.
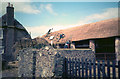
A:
[(47, 62), (44, 62), (78, 53), (8, 44)]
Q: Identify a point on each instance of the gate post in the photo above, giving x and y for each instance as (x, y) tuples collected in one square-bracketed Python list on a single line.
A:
[(34, 64), (117, 48), (65, 68), (118, 69), (92, 45)]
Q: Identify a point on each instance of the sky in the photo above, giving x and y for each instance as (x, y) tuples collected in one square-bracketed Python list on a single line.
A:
[(38, 17)]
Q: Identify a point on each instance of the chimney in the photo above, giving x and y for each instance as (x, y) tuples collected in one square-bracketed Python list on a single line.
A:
[(10, 15)]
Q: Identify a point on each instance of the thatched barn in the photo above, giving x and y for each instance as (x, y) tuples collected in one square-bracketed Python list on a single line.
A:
[(102, 37), (10, 32)]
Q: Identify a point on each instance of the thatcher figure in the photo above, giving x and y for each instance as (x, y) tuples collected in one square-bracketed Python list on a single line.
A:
[(61, 36), (49, 32)]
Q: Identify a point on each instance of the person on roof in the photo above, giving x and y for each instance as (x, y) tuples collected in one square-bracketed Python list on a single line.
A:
[(48, 32), (68, 44), (61, 36)]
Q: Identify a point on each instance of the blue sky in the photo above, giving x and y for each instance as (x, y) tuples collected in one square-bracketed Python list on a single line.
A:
[(38, 17), (64, 13)]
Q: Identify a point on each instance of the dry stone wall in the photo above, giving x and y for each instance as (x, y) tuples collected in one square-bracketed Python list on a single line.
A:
[(44, 62), (85, 54), (47, 62)]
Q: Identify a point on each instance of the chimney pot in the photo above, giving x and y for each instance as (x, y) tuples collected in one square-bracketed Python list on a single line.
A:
[(8, 4), (11, 5)]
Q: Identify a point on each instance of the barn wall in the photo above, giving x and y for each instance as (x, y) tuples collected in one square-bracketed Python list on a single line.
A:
[(81, 44), (105, 48)]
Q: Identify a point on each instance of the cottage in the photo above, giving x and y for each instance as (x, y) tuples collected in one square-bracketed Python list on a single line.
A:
[(10, 32)]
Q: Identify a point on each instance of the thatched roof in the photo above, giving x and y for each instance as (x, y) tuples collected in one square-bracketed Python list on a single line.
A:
[(101, 29)]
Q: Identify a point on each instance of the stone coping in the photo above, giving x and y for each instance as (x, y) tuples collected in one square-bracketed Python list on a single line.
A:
[(74, 49)]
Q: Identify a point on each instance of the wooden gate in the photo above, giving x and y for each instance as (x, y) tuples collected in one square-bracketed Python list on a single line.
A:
[(80, 68)]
